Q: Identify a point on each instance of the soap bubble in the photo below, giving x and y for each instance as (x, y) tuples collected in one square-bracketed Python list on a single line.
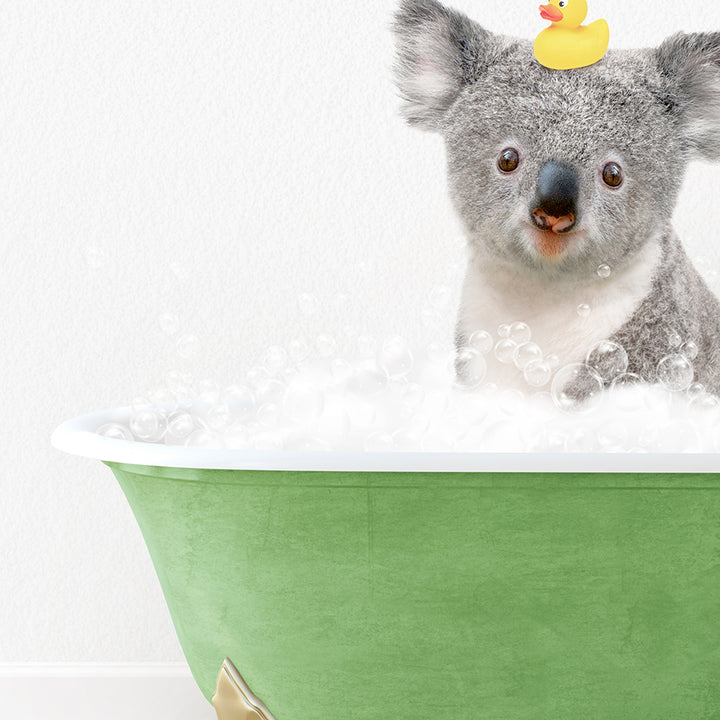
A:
[(505, 350), (675, 372), (608, 359), (482, 341), (179, 427), (576, 388), (689, 350), (115, 431), (169, 323), (583, 310), (395, 357), (674, 338), (695, 389), (298, 350), (218, 417), (537, 373), (525, 354), (208, 391), (470, 367), (303, 402), (604, 271), (519, 333), (552, 360), (239, 400), (308, 305), (503, 330), (188, 345), (147, 425)]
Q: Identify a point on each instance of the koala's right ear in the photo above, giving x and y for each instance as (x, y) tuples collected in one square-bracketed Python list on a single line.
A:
[(691, 64), (439, 51)]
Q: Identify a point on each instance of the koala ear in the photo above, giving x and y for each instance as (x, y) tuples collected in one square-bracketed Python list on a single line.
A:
[(439, 51), (691, 64)]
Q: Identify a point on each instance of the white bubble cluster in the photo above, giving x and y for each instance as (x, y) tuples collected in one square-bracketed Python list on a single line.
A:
[(502, 391), (392, 396)]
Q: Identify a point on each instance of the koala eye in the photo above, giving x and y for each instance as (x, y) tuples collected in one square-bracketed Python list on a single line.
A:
[(612, 175), (509, 160)]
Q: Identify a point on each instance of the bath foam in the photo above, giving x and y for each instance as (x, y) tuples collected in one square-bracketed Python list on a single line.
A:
[(403, 398)]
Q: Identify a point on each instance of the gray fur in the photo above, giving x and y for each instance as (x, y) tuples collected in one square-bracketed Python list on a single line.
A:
[(653, 110), (679, 306)]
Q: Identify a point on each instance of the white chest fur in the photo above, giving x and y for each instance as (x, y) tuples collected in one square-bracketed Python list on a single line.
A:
[(495, 295)]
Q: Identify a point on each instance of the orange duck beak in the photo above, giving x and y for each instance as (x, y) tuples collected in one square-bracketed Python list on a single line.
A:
[(550, 12)]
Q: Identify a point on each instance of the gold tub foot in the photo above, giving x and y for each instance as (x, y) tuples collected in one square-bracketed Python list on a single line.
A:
[(233, 699)]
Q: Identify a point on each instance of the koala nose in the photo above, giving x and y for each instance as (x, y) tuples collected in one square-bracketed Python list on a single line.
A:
[(556, 197)]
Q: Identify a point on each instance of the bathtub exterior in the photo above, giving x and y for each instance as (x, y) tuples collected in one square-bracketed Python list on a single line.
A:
[(497, 596)]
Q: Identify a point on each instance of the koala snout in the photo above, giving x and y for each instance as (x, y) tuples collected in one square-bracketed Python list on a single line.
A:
[(556, 197)]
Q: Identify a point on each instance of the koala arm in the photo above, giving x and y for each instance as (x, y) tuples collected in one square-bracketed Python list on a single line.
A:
[(679, 305)]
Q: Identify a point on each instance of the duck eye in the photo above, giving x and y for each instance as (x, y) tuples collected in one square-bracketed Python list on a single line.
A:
[(612, 175), (562, 3), (509, 160)]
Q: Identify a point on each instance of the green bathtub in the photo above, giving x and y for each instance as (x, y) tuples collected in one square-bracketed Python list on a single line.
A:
[(420, 586)]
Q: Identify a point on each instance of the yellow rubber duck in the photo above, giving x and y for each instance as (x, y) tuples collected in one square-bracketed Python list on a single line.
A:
[(567, 43)]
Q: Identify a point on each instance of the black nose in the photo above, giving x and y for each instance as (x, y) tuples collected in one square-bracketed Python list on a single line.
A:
[(557, 190)]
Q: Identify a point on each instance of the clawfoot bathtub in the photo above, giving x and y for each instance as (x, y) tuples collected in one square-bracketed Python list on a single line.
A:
[(337, 586)]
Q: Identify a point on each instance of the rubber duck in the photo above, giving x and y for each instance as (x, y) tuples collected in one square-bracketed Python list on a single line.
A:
[(567, 43)]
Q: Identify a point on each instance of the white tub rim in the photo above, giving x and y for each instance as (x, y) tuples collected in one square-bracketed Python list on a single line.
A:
[(78, 437)]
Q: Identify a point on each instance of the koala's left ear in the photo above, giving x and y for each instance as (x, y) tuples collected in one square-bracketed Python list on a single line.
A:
[(691, 64), (439, 52)]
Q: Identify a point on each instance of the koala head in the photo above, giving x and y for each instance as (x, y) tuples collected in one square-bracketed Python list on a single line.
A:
[(558, 171)]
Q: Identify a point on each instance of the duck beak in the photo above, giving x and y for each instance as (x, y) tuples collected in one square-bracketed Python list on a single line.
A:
[(550, 12)]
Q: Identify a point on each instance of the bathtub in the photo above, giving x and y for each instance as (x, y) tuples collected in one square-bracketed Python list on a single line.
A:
[(415, 586)]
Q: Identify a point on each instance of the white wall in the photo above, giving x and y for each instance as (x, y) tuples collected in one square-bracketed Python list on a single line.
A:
[(213, 160)]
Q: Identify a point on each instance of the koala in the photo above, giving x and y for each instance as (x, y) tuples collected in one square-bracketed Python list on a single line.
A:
[(556, 174)]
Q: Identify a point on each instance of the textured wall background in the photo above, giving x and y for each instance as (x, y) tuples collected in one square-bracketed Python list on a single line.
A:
[(212, 160)]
